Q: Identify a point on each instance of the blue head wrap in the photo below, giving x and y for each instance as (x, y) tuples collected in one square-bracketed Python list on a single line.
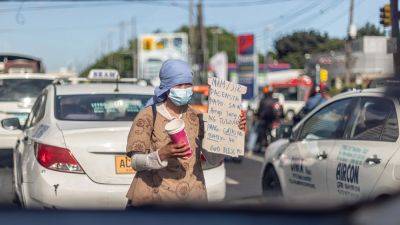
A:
[(173, 72)]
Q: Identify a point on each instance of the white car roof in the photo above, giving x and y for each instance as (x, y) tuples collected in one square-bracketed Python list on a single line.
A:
[(103, 88), (40, 76), (360, 92)]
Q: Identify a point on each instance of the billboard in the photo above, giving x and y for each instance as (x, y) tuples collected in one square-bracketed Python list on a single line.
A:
[(247, 64), (154, 49)]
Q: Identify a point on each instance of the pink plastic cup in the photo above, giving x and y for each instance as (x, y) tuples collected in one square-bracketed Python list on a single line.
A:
[(176, 131)]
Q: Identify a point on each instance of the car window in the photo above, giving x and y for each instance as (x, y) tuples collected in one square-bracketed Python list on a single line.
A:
[(20, 89), (40, 111), (327, 123), (376, 120), (99, 107), (391, 129), (33, 112)]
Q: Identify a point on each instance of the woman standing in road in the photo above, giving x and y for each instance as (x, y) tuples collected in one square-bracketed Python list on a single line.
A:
[(163, 173)]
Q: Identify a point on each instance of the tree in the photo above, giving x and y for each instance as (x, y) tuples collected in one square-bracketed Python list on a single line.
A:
[(370, 29), (292, 47), (226, 40), (120, 60)]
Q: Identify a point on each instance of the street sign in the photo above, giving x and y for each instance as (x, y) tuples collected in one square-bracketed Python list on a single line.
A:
[(154, 49), (247, 65), (323, 75)]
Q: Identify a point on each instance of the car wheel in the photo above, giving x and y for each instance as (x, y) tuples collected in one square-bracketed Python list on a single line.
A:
[(271, 186)]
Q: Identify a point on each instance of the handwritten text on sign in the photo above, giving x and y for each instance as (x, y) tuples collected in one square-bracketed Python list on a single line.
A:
[(222, 133)]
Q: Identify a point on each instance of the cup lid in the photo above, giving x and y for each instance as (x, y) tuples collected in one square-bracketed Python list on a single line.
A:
[(174, 125)]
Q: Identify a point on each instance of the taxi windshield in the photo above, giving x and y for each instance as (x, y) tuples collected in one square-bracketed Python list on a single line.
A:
[(99, 107), (13, 90)]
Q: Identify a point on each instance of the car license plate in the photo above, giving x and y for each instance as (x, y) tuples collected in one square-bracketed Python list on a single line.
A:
[(123, 165)]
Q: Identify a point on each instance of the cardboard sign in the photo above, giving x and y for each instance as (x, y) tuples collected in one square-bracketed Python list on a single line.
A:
[(222, 133)]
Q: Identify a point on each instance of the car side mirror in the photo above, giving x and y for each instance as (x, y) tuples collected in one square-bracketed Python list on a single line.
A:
[(11, 124), (285, 131)]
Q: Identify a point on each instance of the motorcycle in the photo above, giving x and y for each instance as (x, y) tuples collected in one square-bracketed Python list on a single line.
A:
[(263, 135)]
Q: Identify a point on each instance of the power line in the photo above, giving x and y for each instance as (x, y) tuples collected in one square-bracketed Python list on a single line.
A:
[(63, 6), (43, 29), (244, 3), (311, 18), (287, 15), (330, 6), (339, 16)]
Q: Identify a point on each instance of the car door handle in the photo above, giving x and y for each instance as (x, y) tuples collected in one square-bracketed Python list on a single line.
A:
[(322, 156), (374, 160)]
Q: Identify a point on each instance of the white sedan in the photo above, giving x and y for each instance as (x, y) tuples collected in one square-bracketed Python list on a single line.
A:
[(72, 153), (17, 94), (344, 150)]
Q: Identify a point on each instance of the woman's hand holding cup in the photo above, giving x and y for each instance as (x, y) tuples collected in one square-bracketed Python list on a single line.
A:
[(172, 150)]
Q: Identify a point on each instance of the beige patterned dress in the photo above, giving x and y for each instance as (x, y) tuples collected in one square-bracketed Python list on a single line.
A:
[(182, 180)]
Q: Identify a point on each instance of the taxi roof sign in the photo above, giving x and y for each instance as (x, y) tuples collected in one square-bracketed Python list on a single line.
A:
[(103, 74)]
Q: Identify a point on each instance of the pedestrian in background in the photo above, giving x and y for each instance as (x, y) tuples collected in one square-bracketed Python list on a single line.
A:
[(163, 174), (266, 115), (320, 96)]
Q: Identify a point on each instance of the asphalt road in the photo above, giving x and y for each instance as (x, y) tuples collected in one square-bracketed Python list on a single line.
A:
[(6, 190), (243, 179)]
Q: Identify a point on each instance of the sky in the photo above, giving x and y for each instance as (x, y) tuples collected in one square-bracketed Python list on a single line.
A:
[(74, 34)]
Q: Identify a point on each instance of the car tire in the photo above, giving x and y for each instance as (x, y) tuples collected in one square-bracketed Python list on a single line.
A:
[(271, 187)]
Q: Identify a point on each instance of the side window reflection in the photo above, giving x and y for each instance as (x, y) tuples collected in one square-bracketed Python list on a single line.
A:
[(328, 123)]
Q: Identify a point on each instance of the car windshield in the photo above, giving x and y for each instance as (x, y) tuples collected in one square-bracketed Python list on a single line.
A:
[(99, 107), (12, 90), (289, 93)]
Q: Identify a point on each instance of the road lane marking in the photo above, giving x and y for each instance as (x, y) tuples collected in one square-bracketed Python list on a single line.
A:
[(255, 157), (231, 181)]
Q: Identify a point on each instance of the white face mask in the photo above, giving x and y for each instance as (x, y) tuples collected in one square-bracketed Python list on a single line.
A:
[(180, 96)]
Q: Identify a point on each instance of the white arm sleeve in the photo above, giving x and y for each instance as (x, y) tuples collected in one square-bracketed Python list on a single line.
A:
[(149, 161)]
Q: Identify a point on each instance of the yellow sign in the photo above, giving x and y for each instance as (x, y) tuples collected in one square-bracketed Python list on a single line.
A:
[(148, 43), (123, 165), (161, 44), (323, 75)]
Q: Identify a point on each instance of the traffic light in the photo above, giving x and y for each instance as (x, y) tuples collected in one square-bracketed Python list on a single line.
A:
[(386, 19)]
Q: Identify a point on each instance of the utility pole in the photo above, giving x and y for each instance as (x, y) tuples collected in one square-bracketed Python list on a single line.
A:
[(394, 6), (348, 49), (215, 32), (202, 57), (122, 34), (109, 49), (134, 47), (192, 45)]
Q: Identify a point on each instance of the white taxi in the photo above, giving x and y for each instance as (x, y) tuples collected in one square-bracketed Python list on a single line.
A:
[(72, 153), (344, 150), (17, 95)]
